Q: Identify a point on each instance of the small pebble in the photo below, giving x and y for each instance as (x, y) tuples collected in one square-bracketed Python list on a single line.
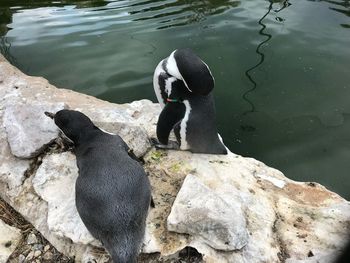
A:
[(46, 248), (38, 247), (21, 258), (48, 256), (30, 256), (31, 239), (37, 253)]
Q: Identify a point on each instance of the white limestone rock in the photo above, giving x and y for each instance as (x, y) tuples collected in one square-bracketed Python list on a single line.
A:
[(205, 214), (54, 182), (134, 136), (31, 239), (322, 258), (28, 128), (12, 169), (284, 219), (9, 239)]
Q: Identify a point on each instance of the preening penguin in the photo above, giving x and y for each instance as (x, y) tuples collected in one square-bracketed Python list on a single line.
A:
[(113, 192), (183, 85)]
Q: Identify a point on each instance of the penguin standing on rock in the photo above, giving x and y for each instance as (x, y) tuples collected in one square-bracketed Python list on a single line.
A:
[(113, 192), (183, 84)]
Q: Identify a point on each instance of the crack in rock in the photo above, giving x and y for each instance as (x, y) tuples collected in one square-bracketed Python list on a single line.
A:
[(283, 254)]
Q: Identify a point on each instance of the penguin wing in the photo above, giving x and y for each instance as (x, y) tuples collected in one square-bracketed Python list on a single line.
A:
[(171, 114)]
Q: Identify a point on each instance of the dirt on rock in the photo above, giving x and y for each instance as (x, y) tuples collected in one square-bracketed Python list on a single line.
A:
[(33, 247)]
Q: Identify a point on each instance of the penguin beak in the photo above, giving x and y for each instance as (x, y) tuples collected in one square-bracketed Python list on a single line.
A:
[(50, 115)]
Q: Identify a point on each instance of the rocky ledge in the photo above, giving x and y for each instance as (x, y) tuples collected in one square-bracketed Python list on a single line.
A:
[(225, 208)]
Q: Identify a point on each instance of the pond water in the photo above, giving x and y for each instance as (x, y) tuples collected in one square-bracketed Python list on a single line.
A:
[(282, 68)]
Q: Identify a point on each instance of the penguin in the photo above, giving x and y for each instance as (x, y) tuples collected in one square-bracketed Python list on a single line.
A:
[(113, 193), (183, 85)]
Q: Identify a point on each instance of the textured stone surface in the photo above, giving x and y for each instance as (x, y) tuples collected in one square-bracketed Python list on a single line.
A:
[(205, 214), (325, 258), (135, 136), (28, 128), (54, 182), (284, 219), (12, 169), (9, 239), (277, 219)]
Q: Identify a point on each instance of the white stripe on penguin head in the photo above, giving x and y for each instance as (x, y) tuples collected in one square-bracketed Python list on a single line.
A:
[(209, 71), (173, 70), (159, 70)]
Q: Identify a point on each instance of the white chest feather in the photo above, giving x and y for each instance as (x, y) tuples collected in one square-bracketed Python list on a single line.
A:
[(183, 126), (168, 85)]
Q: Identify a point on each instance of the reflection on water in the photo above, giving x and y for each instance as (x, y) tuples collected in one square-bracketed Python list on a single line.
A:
[(30, 4), (5, 47), (5, 19), (9, 7), (286, 63), (341, 6), (283, 4), (184, 12), (262, 57)]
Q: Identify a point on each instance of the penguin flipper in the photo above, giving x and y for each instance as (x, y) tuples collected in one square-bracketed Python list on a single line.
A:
[(171, 114), (132, 155)]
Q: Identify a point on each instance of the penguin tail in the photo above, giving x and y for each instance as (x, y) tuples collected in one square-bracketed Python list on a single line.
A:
[(124, 249)]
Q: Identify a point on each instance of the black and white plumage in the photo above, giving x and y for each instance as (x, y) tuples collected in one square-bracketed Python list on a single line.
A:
[(113, 192), (183, 85)]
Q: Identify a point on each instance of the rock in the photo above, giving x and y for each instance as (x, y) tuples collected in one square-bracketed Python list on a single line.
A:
[(48, 255), (28, 128), (204, 214), (135, 136), (12, 169), (38, 247), (21, 258), (274, 219), (31, 239), (37, 253), (54, 182), (316, 259), (30, 256), (9, 239), (46, 248), (271, 204)]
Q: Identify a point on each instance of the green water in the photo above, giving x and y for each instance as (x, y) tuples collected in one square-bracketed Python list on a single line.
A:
[(282, 68)]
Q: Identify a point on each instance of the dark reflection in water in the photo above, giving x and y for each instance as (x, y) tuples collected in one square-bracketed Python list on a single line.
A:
[(5, 47), (262, 57), (342, 6), (29, 4), (5, 19), (283, 4), (186, 11)]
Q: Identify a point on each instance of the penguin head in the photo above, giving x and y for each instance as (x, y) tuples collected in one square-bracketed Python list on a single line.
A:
[(72, 123), (184, 64)]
